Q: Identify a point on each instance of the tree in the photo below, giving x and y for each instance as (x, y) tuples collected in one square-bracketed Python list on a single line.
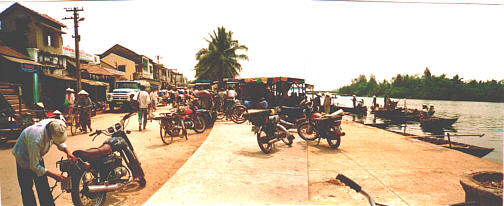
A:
[(220, 59)]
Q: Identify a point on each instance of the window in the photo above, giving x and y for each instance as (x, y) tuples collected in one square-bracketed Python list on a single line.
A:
[(121, 68), (48, 38), (0, 25)]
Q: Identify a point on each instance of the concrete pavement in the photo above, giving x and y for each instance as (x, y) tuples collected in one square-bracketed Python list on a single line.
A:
[(229, 168)]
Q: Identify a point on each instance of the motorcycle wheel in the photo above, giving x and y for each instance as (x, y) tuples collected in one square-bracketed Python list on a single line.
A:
[(306, 131), (238, 114), (79, 181), (262, 139), (220, 115), (199, 124), (334, 140), (165, 137)]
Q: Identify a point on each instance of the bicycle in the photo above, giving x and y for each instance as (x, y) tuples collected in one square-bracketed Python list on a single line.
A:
[(234, 111)]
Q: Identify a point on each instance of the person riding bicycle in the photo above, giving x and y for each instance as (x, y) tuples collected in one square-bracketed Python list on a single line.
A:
[(83, 107)]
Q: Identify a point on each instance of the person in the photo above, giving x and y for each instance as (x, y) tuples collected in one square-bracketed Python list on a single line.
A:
[(263, 104), (327, 104), (386, 101), (374, 103), (33, 143), (220, 98), (69, 100), (58, 115), (154, 99), (84, 105), (316, 103), (431, 110), (354, 101), (143, 99)]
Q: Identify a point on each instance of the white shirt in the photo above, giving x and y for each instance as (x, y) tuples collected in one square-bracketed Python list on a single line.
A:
[(70, 98), (143, 99)]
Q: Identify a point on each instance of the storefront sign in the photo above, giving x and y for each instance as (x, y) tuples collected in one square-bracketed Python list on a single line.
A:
[(67, 51), (28, 68)]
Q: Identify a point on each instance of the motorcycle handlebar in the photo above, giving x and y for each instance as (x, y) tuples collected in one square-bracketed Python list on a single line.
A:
[(128, 116), (348, 182)]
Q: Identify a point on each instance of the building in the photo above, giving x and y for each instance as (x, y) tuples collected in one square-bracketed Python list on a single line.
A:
[(136, 66), (39, 37)]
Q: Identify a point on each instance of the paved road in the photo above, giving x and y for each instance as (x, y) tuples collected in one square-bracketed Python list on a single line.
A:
[(230, 168)]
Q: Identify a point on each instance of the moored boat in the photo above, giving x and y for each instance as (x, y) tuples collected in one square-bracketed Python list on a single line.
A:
[(437, 122), (356, 110)]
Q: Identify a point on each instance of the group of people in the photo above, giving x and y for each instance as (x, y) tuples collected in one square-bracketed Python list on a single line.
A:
[(318, 106), (82, 105)]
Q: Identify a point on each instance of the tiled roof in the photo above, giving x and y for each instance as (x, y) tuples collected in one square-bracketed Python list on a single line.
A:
[(11, 52), (44, 16)]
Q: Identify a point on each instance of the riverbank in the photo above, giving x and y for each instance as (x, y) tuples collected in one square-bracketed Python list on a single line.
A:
[(230, 168)]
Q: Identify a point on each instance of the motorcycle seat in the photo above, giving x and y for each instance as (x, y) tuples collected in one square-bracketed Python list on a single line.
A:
[(94, 153)]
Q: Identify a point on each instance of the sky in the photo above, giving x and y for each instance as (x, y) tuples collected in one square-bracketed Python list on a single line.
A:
[(328, 43)]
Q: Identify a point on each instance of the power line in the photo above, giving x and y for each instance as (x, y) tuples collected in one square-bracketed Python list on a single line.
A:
[(76, 19), (419, 2)]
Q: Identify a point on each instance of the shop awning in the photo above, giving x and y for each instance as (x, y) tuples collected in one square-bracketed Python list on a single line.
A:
[(57, 76), (21, 61), (265, 80), (94, 83)]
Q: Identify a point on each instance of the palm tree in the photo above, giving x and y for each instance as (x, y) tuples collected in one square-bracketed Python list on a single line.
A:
[(220, 59)]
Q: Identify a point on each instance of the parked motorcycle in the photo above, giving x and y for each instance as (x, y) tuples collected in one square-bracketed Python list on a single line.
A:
[(268, 130), (324, 127), (193, 119), (104, 169), (209, 115), (292, 117)]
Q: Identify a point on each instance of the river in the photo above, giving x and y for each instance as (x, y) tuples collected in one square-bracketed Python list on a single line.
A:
[(474, 118)]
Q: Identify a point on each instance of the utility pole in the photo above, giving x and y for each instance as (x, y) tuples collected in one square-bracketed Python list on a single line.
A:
[(76, 36)]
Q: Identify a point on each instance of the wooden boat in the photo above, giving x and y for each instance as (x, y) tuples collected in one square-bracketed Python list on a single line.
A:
[(356, 110), (398, 114), (465, 148), (437, 122)]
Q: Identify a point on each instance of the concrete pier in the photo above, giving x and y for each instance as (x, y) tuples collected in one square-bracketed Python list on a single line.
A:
[(229, 168)]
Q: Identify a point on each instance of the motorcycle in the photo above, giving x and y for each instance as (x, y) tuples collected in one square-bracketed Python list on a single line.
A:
[(292, 117), (209, 115), (323, 127), (268, 130), (193, 119), (104, 169)]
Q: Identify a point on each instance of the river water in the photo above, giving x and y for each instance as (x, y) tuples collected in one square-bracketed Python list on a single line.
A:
[(474, 118)]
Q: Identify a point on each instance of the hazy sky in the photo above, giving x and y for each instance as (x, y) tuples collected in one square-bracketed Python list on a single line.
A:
[(326, 42)]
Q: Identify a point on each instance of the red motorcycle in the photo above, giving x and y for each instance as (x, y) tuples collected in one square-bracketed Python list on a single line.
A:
[(323, 127), (193, 119)]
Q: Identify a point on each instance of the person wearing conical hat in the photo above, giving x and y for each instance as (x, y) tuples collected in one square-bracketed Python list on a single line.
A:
[(354, 101), (69, 100), (84, 106)]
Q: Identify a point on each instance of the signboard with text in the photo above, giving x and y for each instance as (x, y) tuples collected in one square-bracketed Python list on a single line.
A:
[(28, 68), (67, 51)]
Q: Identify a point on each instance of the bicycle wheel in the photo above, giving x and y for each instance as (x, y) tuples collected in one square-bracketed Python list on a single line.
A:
[(306, 131), (286, 138), (334, 140), (74, 124), (262, 141), (163, 132), (238, 114)]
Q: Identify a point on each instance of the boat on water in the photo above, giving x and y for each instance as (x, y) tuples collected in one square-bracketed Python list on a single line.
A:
[(437, 122), (465, 148), (397, 114)]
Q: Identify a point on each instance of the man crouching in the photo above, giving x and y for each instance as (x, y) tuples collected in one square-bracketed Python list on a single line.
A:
[(33, 143)]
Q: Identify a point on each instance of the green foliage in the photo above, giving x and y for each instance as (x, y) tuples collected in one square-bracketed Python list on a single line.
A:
[(427, 87), (220, 59)]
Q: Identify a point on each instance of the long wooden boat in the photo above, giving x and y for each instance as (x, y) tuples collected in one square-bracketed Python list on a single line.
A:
[(465, 148), (437, 122), (398, 114)]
